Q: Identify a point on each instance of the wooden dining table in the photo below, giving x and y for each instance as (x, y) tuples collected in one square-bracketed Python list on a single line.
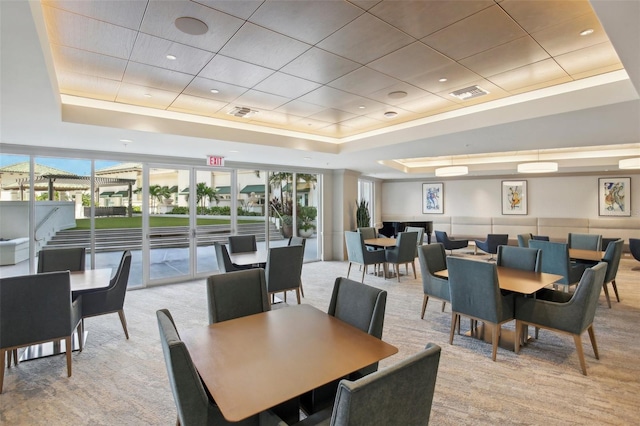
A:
[(380, 242), (517, 280), (256, 362), (581, 254), (250, 258)]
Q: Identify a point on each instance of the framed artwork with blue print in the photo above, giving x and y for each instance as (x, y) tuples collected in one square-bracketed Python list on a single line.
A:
[(433, 198), (614, 196)]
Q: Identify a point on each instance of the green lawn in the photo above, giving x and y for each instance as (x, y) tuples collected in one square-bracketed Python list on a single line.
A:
[(155, 221)]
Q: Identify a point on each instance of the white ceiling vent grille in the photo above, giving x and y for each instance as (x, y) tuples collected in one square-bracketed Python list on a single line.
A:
[(469, 93), (242, 112)]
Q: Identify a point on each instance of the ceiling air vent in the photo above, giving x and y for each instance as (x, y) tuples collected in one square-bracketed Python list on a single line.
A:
[(242, 112), (469, 93)]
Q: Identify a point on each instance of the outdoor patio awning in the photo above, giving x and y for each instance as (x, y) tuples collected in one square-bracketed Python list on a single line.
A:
[(121, 194), (185, 191), (258, 189), (107, 194), (302, 187), (223, 190)]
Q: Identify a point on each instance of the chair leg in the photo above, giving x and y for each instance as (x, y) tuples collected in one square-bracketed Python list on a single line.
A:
[(413, 266), (615, 290), (123, 320), (301, 289), (536, 334), (349, 270), (397, 267), (516, 344), (298, 295), (364, 270), (578, 340), (285, 296), (67, 343), (594, 345), (443, 304), (495, 336), (454, 319), (606, 293), (424, 305), (79, 331), (3, 358)]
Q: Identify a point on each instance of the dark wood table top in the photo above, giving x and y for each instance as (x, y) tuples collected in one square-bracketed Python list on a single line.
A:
[(580, 254), (525, 282), (90, 279), (380, 242), (253, 363)]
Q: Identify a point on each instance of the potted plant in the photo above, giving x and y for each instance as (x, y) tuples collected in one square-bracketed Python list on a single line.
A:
[(306, 217), (363, 219), (287, 226)]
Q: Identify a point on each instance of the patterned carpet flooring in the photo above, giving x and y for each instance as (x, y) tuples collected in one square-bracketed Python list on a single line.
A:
[(124, 382)]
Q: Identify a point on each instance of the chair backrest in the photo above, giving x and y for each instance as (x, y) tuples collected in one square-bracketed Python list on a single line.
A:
[(433, 258), (540, 237), (523, 240), (355, 246), (368, 232), (527, 259), (191, 399), (585, 241), (555, 259), (441, 236), (405, 249), (401, 394), (64, 259), (242, 243), (284, 268), (581, 308), (612, 256), (474, 289), (118, 284), (237, 294), (223, 259), (606, 241), (358, 304), (496, 240), (35, 308), (419, 230), (634, 248), (297, 241)]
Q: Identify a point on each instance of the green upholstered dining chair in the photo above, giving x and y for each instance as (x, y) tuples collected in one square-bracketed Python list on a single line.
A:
[(523, 240), (194, 404), (526, 259), (450, 243), (475, 293), (357, 253), (237, 294), (403, 253), (612, 256), (563, 312), (555, 260), (491, 244), (284, 269), (401, 394), (433, 258), (36, 309), (242, 243), (61, 259)]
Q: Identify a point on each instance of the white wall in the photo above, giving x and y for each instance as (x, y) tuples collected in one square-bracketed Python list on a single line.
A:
[(549, 196)]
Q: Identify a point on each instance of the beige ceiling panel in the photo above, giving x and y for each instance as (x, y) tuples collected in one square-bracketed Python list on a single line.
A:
[(299, 108), (159, 78), (263, 47), (410, 61), (286, 85), (88, 86), (508, 56), (363, 81), (152, 50), (69, 29), (125, 13), (260, 100), (332, 115), (233, 71), (597, 71), (412, 93), (566, 37), (591, 58), (365, 39), (319, 66), (159, 20), (240, 9), (83, 62), (145, 96), (195, 105), (534, 16), (202, 87), (429, 103), (486, 29), (355, 106), (457, 77), (421, 18), (495, 92), (363, 123), (542, 85), (275, 118), (329, 97), (308, 125), (530, 75), (400, 115), (307, 21)]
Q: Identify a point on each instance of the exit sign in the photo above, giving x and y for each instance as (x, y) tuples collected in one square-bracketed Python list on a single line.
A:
[(215, 160)]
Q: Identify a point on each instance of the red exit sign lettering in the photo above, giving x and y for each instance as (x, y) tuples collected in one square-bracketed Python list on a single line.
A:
[(215, 161)]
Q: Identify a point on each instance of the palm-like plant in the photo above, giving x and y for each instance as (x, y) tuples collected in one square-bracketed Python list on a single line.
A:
[(158, 194), (205, 192)]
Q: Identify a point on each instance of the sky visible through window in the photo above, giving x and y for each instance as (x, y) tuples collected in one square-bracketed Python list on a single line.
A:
[(79, 167)]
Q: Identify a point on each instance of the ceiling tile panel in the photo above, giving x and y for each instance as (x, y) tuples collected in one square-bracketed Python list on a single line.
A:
[(260, 100), (125, 13), (329, 97), (363, 81), (365, 39), (88, 86), (145, 96), (152, 50), (242, 9), (263, 47), (195, 105), (457, 77), (286, 85), (159, 20), (363, 123), (565, 37), (320, 66), (332, 115), (412, 93), (534, 16), (233, 71), (273, 117), (484, 30), (202, 87), (89, 63), (410, 61), (542, 85), (429, 104), (529, 75), (300, 108), (159, 78), (590, 58)]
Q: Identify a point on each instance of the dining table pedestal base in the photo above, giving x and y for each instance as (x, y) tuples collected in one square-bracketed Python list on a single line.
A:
[(507, 337), (57, 347)]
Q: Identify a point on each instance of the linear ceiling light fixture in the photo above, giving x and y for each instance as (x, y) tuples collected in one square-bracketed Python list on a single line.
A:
[(452, 170), (538, 166), (629, 163)]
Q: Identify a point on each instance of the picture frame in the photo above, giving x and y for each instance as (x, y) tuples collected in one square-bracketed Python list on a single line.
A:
[(514, 197), (433, 198), (614, 196)]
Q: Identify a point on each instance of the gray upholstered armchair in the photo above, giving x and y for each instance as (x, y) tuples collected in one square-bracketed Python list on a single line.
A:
[(242, 243), (475, 293), (404, 252), (35, 309), (527, 259), (490, 245), (298, 241), (612, 257), (111, 299), (401, 394), (585, 241), (368, 232), (433, 258), (237, 294), (634, 248), (61, 259), (563, 312), (223, 259), (555, 260), (450, 243), (194, 405), (357, 253), (283, 271), (523, 240)]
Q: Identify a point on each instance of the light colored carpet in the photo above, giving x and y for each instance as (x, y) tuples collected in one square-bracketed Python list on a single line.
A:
[(124, 382)]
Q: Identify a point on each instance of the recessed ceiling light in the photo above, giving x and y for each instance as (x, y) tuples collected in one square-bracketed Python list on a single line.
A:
[(171, 57), (126, 140), (307, 158), (390, 114), (397, 94), (147, 95), (361, 107), (191, 26), (586, 32), (234, 150), (214, 91), (442, 80)]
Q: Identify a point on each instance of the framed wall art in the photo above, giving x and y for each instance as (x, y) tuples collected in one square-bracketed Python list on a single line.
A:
[(514, 197), (433, 198), (614, 196)]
